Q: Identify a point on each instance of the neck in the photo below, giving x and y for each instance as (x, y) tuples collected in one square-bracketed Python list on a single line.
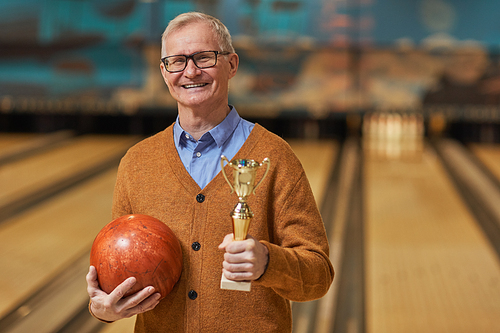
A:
[(199, 121)]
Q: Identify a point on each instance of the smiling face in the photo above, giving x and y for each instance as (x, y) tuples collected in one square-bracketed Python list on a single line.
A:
[(193, 87)]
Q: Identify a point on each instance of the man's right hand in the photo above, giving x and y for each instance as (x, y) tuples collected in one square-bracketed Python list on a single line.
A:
[(111, 307)]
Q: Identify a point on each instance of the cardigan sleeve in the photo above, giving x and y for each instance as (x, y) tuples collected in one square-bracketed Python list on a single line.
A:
[(121, 201), (299, 268)]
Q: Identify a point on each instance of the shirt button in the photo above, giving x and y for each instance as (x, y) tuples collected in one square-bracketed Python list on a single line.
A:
[(198, 154), (192, 294), (187, 136), (200, 198), (196, 246)]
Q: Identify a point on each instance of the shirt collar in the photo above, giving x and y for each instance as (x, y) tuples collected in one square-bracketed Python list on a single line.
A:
[(220, 133), (223, 131), (178, 132)]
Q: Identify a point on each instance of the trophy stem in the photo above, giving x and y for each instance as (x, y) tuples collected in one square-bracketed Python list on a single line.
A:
[(240, 228), (242, 215)]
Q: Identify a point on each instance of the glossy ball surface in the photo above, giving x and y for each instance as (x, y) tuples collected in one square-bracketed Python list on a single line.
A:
[(140, 246)]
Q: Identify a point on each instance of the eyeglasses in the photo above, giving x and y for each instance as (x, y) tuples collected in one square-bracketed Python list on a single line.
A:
[(203, 59)]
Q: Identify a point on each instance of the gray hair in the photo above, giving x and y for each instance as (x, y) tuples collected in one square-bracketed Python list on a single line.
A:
[(220, 30)]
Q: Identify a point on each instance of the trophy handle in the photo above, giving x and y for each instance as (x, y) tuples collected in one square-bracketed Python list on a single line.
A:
[(222, 158), (265, 161)]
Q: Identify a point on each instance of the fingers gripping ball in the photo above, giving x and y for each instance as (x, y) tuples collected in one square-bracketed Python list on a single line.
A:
[(139, 246)]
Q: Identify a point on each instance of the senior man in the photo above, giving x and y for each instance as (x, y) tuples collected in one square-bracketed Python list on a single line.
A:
[(175, 176)]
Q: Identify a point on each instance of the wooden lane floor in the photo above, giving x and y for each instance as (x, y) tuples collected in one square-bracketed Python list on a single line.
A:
[(429, 266), (17, 145), (27, 180), (317, 158), (489, 154), (37, 245), (476, 183), (8, 140)]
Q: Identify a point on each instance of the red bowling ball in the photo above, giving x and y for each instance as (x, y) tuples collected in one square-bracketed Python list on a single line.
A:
[(140, 246)]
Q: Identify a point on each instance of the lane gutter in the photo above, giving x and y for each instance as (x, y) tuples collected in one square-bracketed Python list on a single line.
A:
[(481, 194)]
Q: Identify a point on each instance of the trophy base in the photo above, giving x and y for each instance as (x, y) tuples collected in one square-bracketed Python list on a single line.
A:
[(234, 285)]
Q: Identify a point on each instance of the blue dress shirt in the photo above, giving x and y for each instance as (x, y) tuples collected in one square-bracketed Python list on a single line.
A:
[(202, 158)]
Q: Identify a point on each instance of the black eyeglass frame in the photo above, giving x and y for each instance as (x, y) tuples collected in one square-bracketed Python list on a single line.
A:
[(191, 56)]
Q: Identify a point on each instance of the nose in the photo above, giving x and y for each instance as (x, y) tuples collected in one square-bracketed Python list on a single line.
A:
[(191, 69)]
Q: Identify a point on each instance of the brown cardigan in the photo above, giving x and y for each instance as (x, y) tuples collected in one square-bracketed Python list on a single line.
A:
[(152, 180)]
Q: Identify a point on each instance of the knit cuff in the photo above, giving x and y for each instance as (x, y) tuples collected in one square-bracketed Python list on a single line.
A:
[(267, 263), (270, 277)]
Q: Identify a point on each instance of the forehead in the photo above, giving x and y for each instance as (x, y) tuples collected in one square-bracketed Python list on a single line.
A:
[(194, 37)]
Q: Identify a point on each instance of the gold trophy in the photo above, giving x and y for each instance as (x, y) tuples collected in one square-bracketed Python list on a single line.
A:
[(244, 174)]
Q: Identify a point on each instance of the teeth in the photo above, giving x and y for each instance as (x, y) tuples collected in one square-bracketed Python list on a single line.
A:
[(194, 85)]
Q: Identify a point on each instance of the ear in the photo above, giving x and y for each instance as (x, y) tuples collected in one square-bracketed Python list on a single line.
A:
[(234, 61), (164, 73)]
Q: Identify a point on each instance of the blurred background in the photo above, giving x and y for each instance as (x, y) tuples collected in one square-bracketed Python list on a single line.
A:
[(392, 107), (94, 65)]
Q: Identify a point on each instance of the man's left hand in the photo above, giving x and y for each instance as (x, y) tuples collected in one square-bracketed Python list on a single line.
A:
[(244, 260)]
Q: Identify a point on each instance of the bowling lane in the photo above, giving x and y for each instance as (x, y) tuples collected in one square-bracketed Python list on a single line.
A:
[(317, 158), (7, 140), (17, 145), (429, 267), (26, 176), (37, 244), (489, 154)]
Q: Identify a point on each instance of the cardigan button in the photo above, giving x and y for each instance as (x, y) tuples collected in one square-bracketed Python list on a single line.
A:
[(192, 294), (196, 246), (200, 198)]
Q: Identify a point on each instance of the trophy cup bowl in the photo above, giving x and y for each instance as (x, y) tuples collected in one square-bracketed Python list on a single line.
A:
[(243, 183)]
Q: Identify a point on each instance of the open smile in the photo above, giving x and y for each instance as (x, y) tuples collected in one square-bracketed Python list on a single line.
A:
[(197, 85)]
